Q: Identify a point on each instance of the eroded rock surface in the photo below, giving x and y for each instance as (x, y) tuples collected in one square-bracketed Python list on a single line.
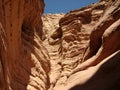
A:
[(24, 62), (83, 40), (102, 54), (79, 50), (75, 28)]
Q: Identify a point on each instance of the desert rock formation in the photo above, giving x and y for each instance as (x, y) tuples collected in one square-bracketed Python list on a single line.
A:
[(83, 40), (68, 39), (79, 50), (102, 54), (24, 62)]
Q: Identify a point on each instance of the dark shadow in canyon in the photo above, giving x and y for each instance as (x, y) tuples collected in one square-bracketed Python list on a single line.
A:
[(106, 78)]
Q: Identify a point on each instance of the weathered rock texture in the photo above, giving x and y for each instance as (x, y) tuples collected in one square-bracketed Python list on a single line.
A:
[(75, 28), (53, 45), (79, 50), (83, 42), (24, 62)]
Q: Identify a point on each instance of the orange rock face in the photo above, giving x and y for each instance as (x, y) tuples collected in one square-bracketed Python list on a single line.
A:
[(84, 43), (75, 28), (79, 50), (96, 72), (24, 62)]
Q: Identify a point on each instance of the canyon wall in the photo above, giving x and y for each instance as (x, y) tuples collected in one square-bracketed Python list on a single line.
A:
[(94, 32), (24, 62), (79, 50), (84, 41), (71, 39)]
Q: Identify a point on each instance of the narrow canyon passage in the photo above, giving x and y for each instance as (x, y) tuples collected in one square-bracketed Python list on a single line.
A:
[(50, 25), (67, 40), (79, 50), (65, 48)]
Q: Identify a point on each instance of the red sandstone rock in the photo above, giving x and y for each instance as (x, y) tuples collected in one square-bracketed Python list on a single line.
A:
[(24, 62), (79, 50)]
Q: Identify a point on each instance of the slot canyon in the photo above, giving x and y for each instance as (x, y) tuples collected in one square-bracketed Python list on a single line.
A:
[(79, 50)]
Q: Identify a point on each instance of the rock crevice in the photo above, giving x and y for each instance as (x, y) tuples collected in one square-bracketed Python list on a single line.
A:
[(79, 50)]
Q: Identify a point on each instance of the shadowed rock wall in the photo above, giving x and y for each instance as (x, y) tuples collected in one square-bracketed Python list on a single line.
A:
[(24, 62), (87, 38), (74, 51)]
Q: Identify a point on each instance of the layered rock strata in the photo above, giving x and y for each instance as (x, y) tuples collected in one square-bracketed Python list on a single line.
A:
[(84, 38), (101, 58), (79, 50), (75, 28)]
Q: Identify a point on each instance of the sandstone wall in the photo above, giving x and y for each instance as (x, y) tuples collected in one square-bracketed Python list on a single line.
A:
[(79, 50), (24, 62), (76, 27), (87, 35), (99, 69)]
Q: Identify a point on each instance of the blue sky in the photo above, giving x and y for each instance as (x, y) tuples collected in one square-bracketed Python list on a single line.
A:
[(63, 6)]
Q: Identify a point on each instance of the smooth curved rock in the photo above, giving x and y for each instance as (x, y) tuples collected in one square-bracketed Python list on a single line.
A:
[(79, 50), (102, 35), (24, 61)]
